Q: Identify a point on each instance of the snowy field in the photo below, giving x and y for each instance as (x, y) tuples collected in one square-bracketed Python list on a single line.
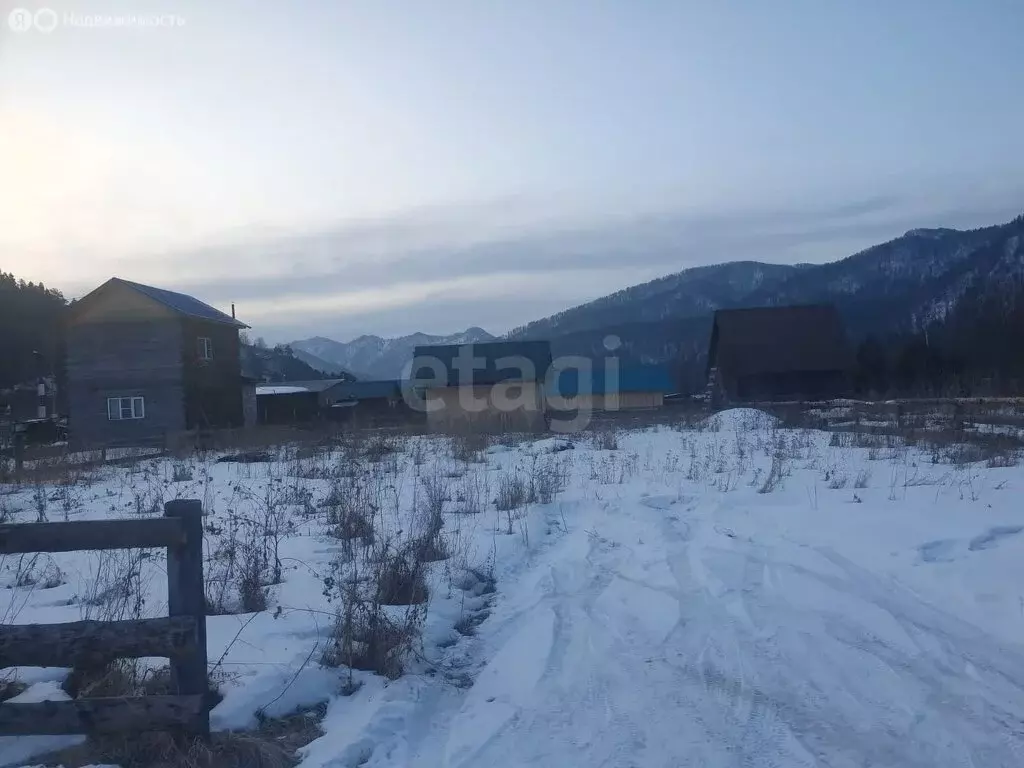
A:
[(732, 595)]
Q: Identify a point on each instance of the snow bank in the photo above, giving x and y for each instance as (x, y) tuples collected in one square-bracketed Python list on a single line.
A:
[(738, 419)]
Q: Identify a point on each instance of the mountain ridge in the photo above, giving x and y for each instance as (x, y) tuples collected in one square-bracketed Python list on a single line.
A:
[(374, 357), (903, 285)]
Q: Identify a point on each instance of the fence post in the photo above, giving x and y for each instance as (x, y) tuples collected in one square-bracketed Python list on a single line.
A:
[(186, 597)]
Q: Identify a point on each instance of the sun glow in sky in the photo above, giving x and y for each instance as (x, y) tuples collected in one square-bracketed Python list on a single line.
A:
[(386, 166)]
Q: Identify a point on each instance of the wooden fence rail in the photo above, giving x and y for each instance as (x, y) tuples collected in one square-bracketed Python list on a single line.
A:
[(181, 636)]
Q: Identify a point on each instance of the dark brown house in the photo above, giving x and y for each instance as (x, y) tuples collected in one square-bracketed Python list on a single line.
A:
[(144, 362), (778, 353)]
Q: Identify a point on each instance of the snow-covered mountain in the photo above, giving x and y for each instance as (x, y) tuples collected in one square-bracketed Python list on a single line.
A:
[(373, 357)]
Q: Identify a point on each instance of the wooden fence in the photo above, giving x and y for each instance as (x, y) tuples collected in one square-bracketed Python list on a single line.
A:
[(181, 636)]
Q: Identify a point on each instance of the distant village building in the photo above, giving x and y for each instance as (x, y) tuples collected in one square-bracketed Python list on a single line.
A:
[(610, 388), (503, 390), (778, 354), (144, 362), (359, 403)]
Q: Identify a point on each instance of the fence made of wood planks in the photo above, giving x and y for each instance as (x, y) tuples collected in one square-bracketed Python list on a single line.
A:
[(181, 636)]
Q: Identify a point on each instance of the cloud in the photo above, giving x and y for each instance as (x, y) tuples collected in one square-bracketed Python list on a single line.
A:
[(441, 270)]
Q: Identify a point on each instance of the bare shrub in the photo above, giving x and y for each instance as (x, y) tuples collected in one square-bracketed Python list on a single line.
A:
[(370, 641), (431, 548), (467, 625), (181, 473), (40, 502), (838, 481), (352, 525), (549, 476), (472, 493), (513, 492), (7, 511), (399, 578), (380, 447), (469, 446), (37, 570), (252, 572), (606, 440), (1002, 459), (367, 635), (863, 478), (775, 474), (435, 490), (116, 587)]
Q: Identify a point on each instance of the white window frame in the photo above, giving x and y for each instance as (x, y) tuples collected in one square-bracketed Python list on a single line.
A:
[(205, 344), (126, 408)]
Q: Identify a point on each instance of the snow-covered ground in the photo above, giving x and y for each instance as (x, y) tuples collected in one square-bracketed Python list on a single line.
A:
[(739, 595)]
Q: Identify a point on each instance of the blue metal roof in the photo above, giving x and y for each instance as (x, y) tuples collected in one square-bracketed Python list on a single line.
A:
[(632, 378), (368, 390), (183, 304)]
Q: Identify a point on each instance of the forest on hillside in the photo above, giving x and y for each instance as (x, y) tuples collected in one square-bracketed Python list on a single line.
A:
[(31, 337)]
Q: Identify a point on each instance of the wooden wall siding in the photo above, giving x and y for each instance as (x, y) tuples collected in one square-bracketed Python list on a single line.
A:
[(452, 415), (249, 405), (213, 388), (119, 359), (119, 303)]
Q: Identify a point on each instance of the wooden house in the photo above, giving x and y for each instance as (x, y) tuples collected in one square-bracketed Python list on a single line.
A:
[(778, 354), (495, 385), (143, 362)]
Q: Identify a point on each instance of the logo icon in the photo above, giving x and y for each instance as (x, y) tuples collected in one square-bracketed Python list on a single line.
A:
[(46, 20), (20, 20)]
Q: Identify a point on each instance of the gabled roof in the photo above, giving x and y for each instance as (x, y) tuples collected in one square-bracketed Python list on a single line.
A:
[(779, 339), (629, 378), (495, 361), (182, 303)]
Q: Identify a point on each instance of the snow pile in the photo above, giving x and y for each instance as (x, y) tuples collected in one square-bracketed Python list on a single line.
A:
[(740, 420)]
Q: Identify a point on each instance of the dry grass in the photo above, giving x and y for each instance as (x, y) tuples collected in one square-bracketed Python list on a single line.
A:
[(272, 745), (370, 642)]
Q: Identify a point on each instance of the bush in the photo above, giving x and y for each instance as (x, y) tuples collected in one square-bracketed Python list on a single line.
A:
[(548, 478), (399, 579), (370, 642), (775, 475), (512, 492)]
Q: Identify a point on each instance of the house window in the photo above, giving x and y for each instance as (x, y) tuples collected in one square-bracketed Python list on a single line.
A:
[(205, 348), (119, 408)]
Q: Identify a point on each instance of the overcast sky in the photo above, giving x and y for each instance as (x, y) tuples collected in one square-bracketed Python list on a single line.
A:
[(352, 166)]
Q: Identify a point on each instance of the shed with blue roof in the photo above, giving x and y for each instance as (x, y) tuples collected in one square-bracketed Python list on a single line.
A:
[(609, 385)]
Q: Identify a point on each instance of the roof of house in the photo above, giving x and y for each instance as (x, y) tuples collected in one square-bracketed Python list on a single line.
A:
[(182, 303), (293, 387), (599, 381), (280, 389), (368, 390), (488, 362), (779, 339)]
